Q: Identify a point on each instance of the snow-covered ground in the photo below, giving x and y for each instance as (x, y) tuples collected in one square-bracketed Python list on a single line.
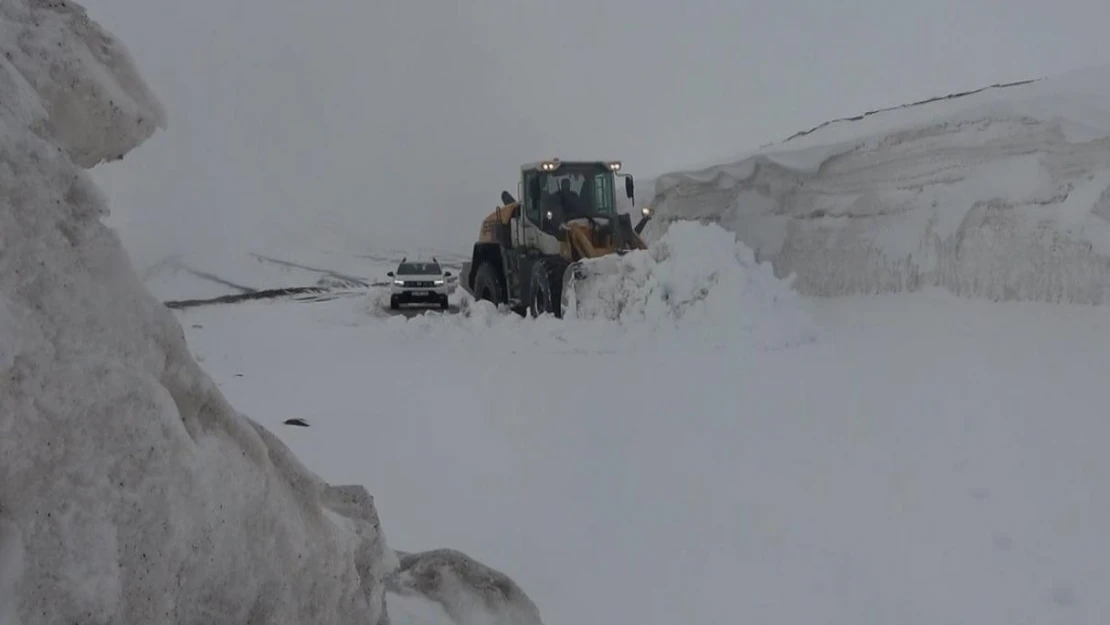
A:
[(900, 458), (1003, 194), (204, 276)]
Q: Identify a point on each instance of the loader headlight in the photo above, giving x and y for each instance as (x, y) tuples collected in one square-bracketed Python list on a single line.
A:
[(614, 165), (646, 211)]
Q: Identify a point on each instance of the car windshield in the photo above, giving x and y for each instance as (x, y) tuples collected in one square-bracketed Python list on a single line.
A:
[(418, 269)]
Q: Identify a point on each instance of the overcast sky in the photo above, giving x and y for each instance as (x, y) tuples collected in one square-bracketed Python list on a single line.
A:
[(376, 124)]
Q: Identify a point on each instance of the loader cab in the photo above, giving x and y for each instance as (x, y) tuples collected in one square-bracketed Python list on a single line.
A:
[(555, 192)]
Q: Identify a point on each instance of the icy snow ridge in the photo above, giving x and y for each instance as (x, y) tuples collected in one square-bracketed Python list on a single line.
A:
[(1004, 194), (130, 490), (447, 586)]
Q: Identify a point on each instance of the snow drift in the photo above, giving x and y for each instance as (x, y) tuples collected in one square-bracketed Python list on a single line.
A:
[(1002, 194), (130, 490)]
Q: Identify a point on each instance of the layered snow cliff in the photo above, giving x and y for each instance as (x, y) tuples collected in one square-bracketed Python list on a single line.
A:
[(1003, 193), (130, 490)]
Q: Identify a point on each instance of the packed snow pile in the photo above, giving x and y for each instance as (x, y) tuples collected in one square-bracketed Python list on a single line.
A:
[(447, 587), (130, 490), (1001, 194), (697, 284), (694, 276)]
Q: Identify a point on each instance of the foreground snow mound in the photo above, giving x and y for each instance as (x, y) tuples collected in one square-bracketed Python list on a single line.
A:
[(695, 276), (446, 587), (1002, 194), (130, 490)]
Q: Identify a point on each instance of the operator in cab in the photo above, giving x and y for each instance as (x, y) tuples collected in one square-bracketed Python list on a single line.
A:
[(573, 206)]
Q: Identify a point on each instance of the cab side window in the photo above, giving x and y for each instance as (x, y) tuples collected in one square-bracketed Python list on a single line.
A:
[(603, 194), (531, 209)]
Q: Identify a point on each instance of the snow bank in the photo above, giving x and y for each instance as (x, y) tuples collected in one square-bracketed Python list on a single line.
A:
[(1002, 194), (130, 490), (446, 583)]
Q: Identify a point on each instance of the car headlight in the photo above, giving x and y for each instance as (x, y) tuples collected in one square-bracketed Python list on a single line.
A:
[(439, 283), (399, 282)]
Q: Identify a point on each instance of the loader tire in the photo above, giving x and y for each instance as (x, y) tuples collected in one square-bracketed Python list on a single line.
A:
[(487, 284), (547, 288)]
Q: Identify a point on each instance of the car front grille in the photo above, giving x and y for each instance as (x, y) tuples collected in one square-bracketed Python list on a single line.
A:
[(418, 284)]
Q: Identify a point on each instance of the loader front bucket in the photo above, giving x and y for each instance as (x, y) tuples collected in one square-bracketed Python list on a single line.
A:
[(588, 288)]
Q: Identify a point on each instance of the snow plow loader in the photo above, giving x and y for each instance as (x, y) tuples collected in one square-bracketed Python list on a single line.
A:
[(529, 253)]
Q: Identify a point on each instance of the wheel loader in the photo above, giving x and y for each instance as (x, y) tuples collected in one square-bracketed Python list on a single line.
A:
[(529, 252)]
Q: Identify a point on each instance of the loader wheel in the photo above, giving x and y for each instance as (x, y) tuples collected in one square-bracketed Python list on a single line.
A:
[(547, 289), (487, 284)]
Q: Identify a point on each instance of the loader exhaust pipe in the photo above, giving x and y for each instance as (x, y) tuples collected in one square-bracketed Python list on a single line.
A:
[(646, 212)]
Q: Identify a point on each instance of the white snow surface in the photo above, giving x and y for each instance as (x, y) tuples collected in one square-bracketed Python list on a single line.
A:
[(131, 491), (1002, 194)]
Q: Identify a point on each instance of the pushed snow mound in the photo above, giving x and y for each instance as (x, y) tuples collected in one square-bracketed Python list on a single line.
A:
[(1002, 194), (130, 490), (697, 284), (696, 276), (447, 587)]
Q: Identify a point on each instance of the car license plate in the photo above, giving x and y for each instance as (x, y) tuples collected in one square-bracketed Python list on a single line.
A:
[(419, 293)]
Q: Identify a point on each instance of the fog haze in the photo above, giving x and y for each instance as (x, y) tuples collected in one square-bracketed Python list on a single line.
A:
[(396, 124)]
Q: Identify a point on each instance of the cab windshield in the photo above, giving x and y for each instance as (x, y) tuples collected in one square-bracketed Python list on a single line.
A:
[(578, 191)]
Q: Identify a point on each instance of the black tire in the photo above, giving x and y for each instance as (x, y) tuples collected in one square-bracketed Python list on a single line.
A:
[(393, 303), (488, 285), (546, 287), (444, 304)]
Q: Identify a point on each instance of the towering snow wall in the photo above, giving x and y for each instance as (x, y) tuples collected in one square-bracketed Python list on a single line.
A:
[(1003, 193), (130, 491)]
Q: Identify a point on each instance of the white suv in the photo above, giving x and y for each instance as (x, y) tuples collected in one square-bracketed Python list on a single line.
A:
[(419, 282)]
